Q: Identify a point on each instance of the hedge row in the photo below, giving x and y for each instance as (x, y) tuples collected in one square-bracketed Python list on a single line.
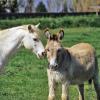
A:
[(67, 21)]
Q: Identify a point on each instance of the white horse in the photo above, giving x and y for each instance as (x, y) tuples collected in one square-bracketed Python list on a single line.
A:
[(12, 39)]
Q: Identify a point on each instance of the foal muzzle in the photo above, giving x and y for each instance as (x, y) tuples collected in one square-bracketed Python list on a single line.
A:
[(52, 67)]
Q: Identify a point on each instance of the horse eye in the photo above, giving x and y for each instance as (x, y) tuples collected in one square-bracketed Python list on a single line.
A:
[(35, 39)]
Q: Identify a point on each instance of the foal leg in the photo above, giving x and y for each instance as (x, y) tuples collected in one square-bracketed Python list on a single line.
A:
[(65, 91), (97, 85), (51, 84), (51, 91), (81, 91), (96, 80)]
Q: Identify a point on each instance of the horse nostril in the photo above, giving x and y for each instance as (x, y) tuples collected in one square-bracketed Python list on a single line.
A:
[(44, 53)]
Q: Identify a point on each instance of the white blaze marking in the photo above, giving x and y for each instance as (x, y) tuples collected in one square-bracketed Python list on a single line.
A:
[(53, 62)]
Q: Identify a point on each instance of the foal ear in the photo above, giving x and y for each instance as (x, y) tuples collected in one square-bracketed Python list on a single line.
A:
[(61, 34), (47, 33), (31, 30)]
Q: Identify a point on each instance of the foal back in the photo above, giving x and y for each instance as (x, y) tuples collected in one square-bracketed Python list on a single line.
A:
[(83, 62)]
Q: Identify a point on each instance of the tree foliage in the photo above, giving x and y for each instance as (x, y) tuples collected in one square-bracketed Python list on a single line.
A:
[(41, 7)]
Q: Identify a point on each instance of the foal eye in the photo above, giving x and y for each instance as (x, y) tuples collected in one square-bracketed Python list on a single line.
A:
[(48, 50), (59, 50), (35, 39)]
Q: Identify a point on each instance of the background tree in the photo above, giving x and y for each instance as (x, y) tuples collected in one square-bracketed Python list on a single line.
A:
[(6, 5), (41, 7), (14, 6), (2, 3)]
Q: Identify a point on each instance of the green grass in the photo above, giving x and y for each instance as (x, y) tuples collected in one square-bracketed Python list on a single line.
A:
[(25, 76)]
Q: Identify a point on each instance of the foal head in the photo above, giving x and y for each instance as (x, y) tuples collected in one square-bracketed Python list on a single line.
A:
[(31, 41), (53, 48)]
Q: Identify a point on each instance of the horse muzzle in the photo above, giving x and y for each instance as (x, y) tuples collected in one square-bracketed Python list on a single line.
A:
[(43, 54)]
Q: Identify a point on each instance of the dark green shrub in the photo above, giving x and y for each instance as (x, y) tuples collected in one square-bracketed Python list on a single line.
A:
[(82, 22), (50, 22), (95, 22)]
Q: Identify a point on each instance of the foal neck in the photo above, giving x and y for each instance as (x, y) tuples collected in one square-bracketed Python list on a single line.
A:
[(64, 58)]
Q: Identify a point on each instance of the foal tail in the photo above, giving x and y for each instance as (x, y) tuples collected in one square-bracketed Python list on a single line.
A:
[(96, 71)]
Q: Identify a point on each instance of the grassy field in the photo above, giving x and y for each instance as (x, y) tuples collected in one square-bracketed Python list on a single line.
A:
[(25, 76)]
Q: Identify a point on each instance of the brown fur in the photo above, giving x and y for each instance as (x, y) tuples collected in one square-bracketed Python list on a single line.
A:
[(76, 65)]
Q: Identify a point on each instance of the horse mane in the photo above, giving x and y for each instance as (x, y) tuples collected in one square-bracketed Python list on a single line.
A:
[(25, 27), (5, 33)]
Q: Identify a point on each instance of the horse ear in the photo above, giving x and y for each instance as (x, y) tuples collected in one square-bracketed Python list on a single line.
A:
[(61, 34), (37, 25), (47, 33), (31, 30)]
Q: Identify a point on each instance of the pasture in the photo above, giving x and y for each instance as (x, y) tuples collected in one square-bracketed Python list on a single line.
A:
[(25, 76)]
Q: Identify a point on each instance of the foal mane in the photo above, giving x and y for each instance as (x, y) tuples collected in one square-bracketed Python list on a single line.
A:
[(64, 58)]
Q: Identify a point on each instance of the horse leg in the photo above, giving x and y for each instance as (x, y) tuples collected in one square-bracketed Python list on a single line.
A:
[(65, 91), (81, 91)]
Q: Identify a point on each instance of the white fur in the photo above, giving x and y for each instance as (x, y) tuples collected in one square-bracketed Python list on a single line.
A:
[(53, 61), (13, 38)]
